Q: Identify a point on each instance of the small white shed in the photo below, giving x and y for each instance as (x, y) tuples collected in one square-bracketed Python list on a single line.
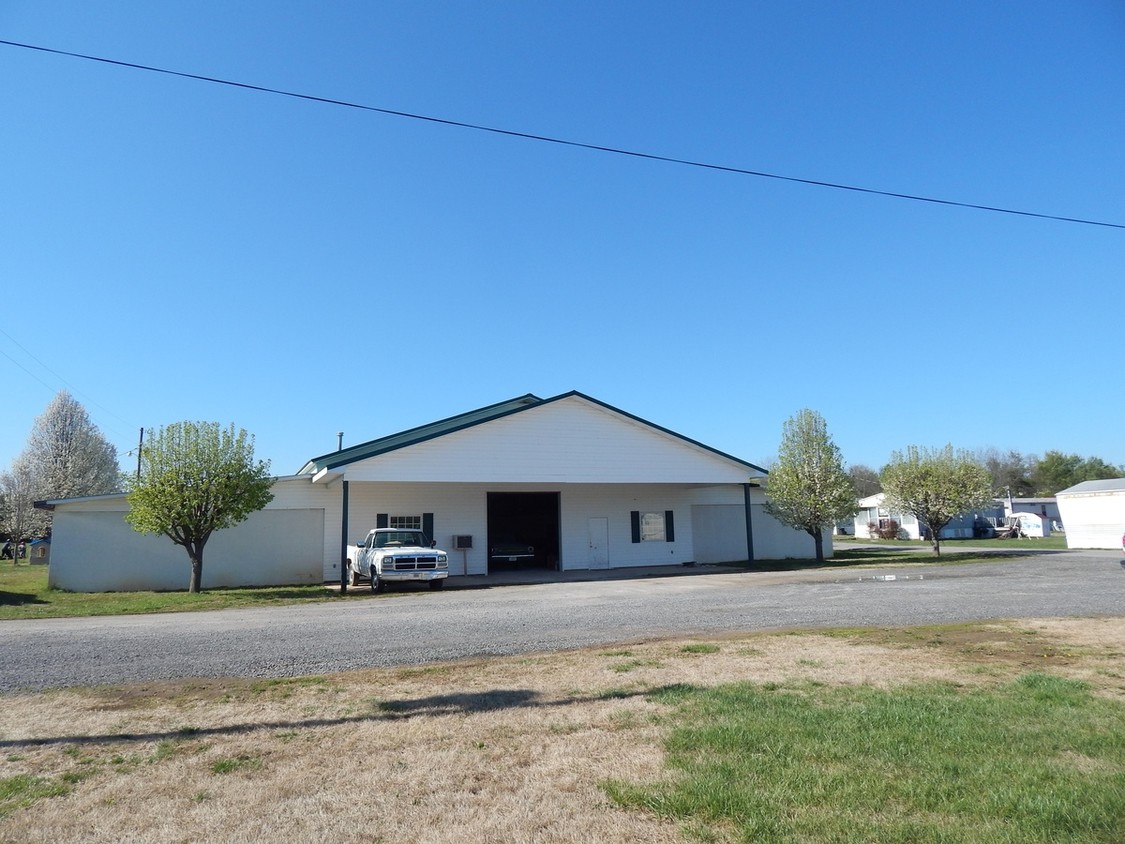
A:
[(1093, 513), (1033, 524)]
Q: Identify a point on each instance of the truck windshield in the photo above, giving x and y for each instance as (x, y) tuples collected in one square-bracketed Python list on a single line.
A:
[(401, 537)]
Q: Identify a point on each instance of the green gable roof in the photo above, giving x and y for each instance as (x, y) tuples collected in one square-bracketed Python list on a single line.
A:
[(413, 436)]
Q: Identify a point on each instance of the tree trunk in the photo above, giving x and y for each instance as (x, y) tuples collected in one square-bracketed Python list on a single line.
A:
[(196, 555), (935, 534), (818, 540)]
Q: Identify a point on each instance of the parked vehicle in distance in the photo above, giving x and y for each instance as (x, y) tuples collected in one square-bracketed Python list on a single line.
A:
[(510, 551), (983, 529), (393, 555)]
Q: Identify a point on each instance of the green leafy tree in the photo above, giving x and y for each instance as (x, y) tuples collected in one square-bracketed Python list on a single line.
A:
[(808, 488), (1057, 471), (865, 480), (1010, 472), (936, 486), (197, 478)]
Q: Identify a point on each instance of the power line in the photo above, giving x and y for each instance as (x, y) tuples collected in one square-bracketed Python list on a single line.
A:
[(564, 142), (24, 368), (25, 350)]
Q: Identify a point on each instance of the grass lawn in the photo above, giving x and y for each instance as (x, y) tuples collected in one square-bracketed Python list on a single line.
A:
[(1039, 759), (984, 733), (24, 594), (1055, 541)]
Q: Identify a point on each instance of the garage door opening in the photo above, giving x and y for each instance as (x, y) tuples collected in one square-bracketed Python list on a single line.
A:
[(523, 530)]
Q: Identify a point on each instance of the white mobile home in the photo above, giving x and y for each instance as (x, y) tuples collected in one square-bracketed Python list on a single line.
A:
[(875, 515), (1093, 513), (583, 484)]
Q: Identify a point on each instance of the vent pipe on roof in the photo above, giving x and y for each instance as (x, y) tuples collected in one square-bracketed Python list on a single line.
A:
[(339, 440)]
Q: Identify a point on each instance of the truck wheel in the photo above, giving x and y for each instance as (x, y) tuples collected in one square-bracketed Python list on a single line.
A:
[(353, 575), (376, 585), (437, 584)]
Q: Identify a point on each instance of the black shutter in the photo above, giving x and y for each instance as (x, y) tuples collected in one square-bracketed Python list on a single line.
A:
[(381, 520), (669, 527), (635, 520), (428, 525)]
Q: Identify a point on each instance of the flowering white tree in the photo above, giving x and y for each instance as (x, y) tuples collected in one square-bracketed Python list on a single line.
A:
[(936, 486), (18, 516), (66, 456), (808, 488)]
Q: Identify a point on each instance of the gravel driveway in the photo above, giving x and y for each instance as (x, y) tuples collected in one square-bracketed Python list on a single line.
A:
[(417, 627)]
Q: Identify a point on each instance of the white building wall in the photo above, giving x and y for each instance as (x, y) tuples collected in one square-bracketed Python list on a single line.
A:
[(715, 535), (569, 441), (615, 503), (719, 521), (774, 540), (461, 509), (96, 550), (1093, 519)]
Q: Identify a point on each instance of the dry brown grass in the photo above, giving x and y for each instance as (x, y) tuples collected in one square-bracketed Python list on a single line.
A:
[(503, 750)]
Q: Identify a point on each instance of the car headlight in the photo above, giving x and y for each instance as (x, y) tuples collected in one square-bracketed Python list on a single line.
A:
[(442, 558)]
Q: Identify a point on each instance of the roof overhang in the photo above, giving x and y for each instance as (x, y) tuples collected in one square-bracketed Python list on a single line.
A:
[(327, 476)]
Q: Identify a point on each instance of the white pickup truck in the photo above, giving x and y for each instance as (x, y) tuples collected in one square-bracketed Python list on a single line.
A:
[(390, 555)]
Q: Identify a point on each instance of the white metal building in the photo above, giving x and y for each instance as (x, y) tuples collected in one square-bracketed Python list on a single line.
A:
[(585, 484), (95, 550), (1093, 513)]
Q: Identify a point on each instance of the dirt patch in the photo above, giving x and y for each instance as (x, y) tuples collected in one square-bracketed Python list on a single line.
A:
[(1089, 649), (503, 750)]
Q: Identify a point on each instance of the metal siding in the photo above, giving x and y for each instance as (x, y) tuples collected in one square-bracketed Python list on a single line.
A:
[(97, 551), (1094, 519), (719, 532), (568, 441)]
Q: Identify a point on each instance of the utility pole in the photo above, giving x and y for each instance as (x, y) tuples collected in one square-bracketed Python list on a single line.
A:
[(140, 444)]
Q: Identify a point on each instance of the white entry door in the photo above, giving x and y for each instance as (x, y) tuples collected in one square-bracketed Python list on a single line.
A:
[(599, 543)]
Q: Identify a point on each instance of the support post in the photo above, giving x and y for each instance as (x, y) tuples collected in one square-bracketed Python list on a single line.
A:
[(344, 541), (749, 523)]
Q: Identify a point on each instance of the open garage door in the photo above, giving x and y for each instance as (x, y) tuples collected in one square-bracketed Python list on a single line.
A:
[(523, 530)]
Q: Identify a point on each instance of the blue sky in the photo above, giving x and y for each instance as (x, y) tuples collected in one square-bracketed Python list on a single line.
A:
[(172, 249)]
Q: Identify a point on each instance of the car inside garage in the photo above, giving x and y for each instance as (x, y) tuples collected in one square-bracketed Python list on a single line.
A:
[(523, 530)]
